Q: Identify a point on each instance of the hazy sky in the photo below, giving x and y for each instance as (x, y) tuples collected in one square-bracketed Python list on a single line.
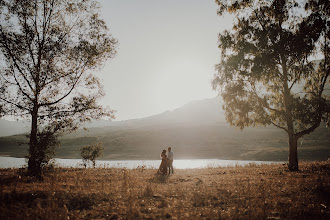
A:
[(166, 54)]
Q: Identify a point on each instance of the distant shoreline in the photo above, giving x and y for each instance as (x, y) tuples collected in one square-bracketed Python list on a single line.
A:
[(13, 162)]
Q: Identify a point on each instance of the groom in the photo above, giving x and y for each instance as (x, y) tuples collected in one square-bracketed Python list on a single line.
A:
[(170, 160)]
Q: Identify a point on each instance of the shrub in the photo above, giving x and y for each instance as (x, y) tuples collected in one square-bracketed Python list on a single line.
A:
[(90, 153)]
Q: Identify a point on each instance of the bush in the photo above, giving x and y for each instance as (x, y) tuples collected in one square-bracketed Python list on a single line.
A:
[(90, 153)]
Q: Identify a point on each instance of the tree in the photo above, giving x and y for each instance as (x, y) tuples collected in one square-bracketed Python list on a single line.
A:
[(90, 153), (267, 75), (49, 52)]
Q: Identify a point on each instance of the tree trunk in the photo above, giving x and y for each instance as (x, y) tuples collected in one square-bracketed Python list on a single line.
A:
[(293, 153), (34, 165)]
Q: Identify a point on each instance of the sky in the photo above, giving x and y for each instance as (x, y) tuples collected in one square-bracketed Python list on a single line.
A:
[(166, 54)]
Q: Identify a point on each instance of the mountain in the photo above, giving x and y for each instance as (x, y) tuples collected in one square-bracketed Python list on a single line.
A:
[(195, 112), (202, 111), (196, 130), (8, 128)]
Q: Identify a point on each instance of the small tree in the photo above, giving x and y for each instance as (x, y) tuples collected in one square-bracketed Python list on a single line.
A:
[(267, 74), (49, 51), (90, 153)]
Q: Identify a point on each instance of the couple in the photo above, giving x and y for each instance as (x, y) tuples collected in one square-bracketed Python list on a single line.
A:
[(167, 161)]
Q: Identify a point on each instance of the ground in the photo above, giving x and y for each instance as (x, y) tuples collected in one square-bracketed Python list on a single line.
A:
[(250, 192)]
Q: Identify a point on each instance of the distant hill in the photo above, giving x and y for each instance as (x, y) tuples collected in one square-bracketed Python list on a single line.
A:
[(196, 130), (200, 112), (8, 128), (196, 112)]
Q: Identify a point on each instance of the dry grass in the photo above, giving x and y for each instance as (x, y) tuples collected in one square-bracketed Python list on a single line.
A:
[(251, 192)]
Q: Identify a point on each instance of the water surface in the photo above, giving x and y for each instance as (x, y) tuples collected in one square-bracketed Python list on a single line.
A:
[(12, 162)]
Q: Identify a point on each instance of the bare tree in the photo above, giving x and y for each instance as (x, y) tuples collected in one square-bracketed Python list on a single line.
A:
[(50, 50)]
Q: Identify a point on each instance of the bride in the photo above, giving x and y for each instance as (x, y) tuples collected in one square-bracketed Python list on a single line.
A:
[(163, 166)]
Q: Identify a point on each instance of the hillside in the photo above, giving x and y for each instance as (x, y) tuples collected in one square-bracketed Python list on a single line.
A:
[(196, 130), (8, 128)]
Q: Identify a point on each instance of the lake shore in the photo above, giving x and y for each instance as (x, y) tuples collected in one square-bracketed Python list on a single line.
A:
[(241, 192), (13, 162)]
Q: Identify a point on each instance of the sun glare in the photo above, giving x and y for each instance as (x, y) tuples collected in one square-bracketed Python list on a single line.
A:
[(181, 81)]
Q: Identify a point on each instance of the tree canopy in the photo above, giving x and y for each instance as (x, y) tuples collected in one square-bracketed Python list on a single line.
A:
[(50, 51), (274, 66)]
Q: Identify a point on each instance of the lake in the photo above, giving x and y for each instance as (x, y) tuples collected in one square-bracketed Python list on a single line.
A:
[(12, 162)]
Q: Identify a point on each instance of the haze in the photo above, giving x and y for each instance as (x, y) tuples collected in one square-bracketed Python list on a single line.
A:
[(166, 55)]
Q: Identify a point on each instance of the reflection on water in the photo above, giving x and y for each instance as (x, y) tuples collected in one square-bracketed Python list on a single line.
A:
[(11, 162)]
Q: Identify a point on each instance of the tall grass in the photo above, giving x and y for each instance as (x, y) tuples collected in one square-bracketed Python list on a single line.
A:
[(250, 192)]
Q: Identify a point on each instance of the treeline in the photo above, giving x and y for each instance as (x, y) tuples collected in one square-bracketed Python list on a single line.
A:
[(188, 141)]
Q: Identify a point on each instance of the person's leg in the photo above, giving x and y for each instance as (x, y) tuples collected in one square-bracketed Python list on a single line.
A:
[(172, 166)]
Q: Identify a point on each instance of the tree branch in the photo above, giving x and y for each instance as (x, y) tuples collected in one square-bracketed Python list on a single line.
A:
[(17, 105), (261, 99), (64, 96), (276, 125), (28, 42), (319, 109), (13, 58), (20, 88)]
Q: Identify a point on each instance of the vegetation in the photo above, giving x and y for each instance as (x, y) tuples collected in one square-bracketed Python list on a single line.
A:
[(91, 152), (49, 51), (266, 75), (250, 192), (188, 141)]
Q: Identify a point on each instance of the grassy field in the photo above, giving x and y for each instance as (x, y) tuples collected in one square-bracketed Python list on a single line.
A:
[(250, 192)]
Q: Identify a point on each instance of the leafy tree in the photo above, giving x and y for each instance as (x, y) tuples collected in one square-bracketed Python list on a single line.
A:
[(267, 75), (49, 50), (90, 153)]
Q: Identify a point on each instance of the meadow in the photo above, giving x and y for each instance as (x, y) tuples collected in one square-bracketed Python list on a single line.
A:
[(249, 192)]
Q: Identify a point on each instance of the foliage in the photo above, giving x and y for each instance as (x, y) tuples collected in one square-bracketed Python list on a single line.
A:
[(50, 50), (47, 141), (267, 74), (91, 152)]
